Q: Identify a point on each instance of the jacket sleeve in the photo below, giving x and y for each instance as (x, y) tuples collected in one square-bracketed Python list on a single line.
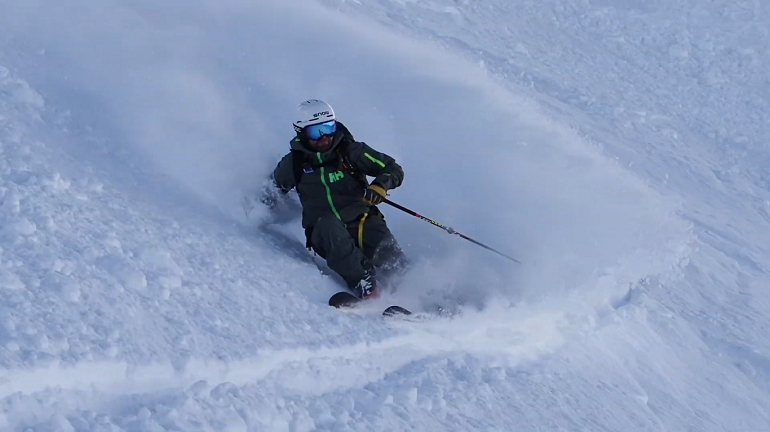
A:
[(386, 172), (283, 175), (281, 181)]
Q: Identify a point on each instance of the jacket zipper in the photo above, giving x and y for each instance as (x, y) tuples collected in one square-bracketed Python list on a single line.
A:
[(328, 191)]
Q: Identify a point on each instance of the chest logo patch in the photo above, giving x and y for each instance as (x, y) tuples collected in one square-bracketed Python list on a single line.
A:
[(334, 176)]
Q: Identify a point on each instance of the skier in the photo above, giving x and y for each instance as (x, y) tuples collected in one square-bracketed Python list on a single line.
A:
[(328, 169)]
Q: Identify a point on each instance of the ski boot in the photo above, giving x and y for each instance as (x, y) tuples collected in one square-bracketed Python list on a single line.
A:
[(366, 289)]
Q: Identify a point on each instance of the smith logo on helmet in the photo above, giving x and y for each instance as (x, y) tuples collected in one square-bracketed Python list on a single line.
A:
[(321, 113)]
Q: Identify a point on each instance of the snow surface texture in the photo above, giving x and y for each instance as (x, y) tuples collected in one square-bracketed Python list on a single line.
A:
[(618, 148)]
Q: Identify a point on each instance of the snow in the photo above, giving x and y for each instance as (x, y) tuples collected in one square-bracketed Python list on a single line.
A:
[(617, 148)]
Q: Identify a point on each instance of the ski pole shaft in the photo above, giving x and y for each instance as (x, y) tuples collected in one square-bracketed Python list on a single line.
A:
[(445, 228)]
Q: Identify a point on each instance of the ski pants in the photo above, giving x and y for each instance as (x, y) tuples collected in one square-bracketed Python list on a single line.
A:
[(354, 248)]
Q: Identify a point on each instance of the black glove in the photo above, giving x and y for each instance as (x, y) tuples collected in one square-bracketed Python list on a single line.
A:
[(374, 194), (268, 199), (271, 195)]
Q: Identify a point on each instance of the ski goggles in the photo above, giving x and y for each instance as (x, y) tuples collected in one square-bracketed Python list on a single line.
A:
[(320, 130)]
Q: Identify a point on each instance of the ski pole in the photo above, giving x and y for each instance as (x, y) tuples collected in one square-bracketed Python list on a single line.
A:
[(445, 228)]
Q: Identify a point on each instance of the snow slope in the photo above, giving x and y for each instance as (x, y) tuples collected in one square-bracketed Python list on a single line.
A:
[(616, 148)]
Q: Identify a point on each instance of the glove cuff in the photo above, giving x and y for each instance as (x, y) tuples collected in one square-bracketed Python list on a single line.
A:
[(377, 188)]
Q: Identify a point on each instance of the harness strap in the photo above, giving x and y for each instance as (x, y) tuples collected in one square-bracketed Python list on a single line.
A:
[(361, 231)]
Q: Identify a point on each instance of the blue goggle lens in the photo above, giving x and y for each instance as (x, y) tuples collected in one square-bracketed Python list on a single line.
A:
[(317, 131)]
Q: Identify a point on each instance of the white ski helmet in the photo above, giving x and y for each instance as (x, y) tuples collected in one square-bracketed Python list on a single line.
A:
[(312, 112)]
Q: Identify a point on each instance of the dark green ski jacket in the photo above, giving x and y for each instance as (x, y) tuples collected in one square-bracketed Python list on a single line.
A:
[(333, 182)]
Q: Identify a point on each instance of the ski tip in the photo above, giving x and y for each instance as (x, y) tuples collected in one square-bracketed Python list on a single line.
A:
[(343, 299), (395, 310)]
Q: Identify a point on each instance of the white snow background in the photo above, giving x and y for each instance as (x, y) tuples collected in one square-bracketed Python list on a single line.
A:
[(617, 148)]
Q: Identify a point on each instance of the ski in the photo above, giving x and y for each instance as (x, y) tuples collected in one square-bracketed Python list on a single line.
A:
[(395, 310), (344, 299)]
